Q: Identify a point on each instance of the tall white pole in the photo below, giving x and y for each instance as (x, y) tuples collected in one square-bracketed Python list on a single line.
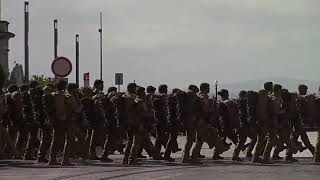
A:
[(101, 53)]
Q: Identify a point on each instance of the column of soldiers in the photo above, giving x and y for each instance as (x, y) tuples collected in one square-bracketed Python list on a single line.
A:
[(62, 120)]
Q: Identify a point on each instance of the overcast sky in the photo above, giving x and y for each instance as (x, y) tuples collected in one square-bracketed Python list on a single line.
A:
[(174, 41)]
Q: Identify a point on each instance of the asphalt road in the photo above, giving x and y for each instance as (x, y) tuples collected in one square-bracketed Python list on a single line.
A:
[(155, 170)]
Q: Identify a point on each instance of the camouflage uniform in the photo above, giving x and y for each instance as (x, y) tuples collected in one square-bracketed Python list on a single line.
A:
[(17, 122), (303, 120), (288, 112), (110, 104), (244, 128), (75, 126), (30, 123), (189, 117), (173, 113), (252, 119), (272, 125), (41, 102), (317, 118), (5, 138), (59, 115), (205, 131), (129, 116), (139, 128), (285, 114), (262, 118), (161, 114)]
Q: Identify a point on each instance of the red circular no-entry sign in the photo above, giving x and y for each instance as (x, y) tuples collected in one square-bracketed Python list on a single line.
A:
[(61, 67)]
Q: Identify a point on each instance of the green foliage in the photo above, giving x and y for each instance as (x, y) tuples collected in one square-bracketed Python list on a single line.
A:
[(43, 80)]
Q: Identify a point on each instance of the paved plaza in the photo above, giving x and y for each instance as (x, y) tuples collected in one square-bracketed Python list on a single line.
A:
[(156, 170)]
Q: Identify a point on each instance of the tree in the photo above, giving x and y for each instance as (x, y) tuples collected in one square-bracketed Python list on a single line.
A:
[(43, 80)]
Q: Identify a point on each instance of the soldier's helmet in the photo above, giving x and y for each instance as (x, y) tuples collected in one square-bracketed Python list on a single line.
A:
[(223, 92), (163, 88), (131, 87), (302, 87), (193, 88), (268, 86), (277, 87), (242, 94), (112, 89), (175, 90), (151, 89), (140, 91), (204, 86)]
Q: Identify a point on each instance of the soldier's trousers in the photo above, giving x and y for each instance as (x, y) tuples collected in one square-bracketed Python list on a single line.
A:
[(243, 135), (32, 141), (299, 131), (44, 142), (127, 151), (21, 140), (90, 144), (205, 133), (253, 135), (76, 140), (190, 137), (138, 141), (6, 142), (60, 133), (172, 145), (284, 138), (111, 142), (262, 138), (161, 139), (272, 141), (317, 153)]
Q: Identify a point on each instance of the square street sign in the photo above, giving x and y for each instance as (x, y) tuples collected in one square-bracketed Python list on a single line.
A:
[(119, 78)]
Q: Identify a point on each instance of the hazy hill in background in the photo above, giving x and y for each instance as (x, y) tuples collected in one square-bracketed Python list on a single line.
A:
[(288, 83)]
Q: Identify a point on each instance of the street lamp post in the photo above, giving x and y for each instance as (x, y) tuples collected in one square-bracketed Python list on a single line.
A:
[(216, 83)]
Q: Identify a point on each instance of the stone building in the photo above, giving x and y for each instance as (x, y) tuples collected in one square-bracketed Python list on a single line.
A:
[(5, 35)]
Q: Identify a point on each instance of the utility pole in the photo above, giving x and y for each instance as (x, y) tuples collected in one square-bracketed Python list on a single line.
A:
[(101, 53), (55, 26), (77, 59), (26, 40), (0, 10)]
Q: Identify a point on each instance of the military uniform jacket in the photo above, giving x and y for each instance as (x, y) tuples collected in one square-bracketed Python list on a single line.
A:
[(129, 112), (161, 109), (229, 114), (306, 110), (38, 105), (191, 109)]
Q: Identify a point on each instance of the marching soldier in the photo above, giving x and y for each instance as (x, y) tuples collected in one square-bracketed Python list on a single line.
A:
[(161, 114), (42, 102), (244, 128), (262, 117), (112, 123), (129, 115), (59, 116), (189, 114), (205, 132), (252, 119), (174, 121), (303, 116), (287, 113), (229, 119)]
